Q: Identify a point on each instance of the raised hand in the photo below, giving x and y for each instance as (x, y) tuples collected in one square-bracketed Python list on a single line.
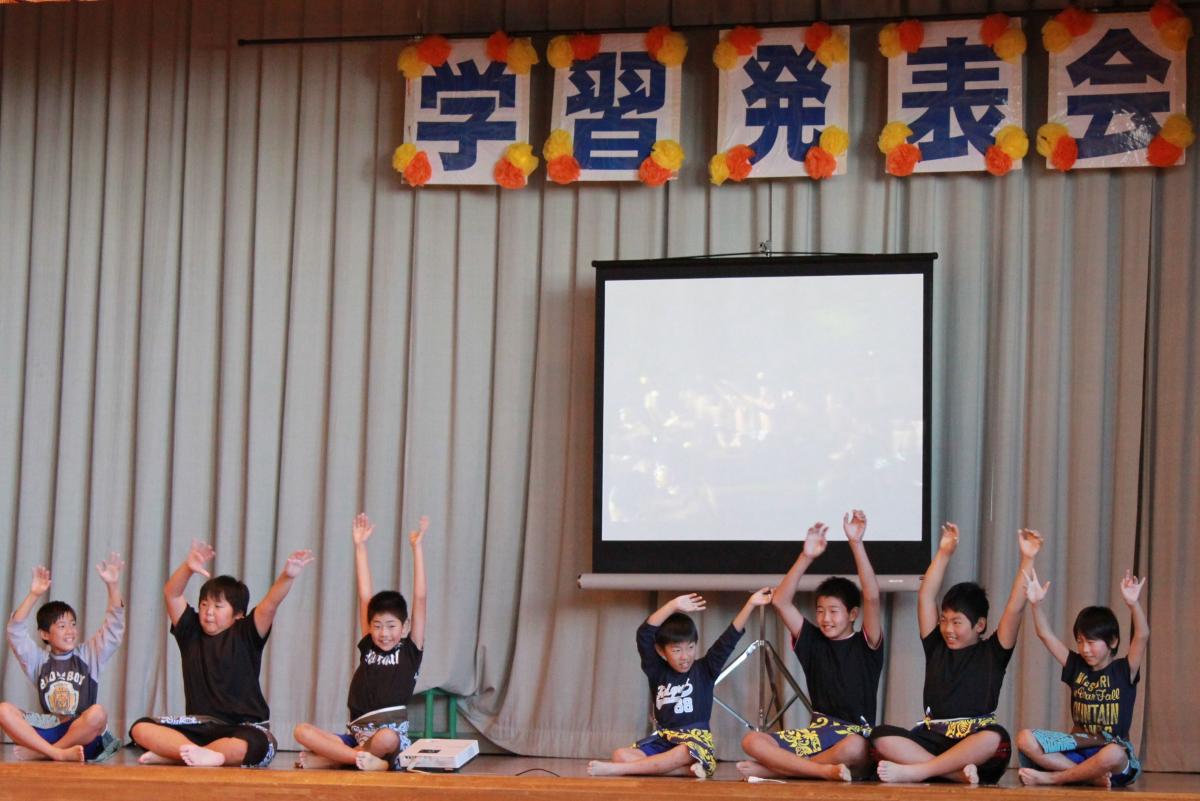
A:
[(40, 584), (1034, 590), (761, 597), (362, 528), (692, 602), (854, 524), (949, 538), (415, 537), (296, 563), (200, 554), (1131, 588), (815, 542), (110, 568), (1030, 542)]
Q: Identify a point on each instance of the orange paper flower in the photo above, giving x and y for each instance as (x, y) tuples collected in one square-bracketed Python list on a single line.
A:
[(912, 34), (816, 34), (1163, 12), (1076, 20), (1162, 153), (654, 39), (508, 175), (997, 161), (563, 169), (738, 160), (744, 38), (902, 159), (497, 46), (418, 171), (1065, 152), (819, 163), (993, 26), (585, 45), (434, 50), (651, 174)]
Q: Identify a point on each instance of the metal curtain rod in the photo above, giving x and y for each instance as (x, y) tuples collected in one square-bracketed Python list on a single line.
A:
[(391, 37)]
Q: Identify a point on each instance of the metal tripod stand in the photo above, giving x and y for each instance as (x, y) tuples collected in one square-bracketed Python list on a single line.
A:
[(771, 707)]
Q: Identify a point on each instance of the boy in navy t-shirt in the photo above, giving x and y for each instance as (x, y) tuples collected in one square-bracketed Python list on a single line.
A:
[(389, 658), (842, 668), (1097, 750), (682, 687)]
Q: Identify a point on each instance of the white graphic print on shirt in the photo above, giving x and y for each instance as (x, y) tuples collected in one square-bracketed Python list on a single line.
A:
[(677, 694)]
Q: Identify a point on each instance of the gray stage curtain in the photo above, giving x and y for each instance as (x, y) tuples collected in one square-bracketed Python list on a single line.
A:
[(223, 316)]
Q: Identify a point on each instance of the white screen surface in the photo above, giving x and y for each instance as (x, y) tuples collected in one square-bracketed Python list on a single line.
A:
[(747, 408)]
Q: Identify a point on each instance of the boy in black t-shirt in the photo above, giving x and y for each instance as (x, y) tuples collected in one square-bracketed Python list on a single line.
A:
[(960, 738), (389, 658), (227, 720), (1103, 691), (682, 686), (842, 668)]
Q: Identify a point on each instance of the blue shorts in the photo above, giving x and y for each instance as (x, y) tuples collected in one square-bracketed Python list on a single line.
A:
[(52, 734), (822, 733), (699, 744), (1065, 743), (359, 735)]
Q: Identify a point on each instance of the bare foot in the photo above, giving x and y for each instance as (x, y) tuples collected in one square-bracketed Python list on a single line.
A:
[(749, 767), (598, 768), (970, 774), (313, 761), (698, 771), (1103, 780), (198, 757), (151, 758), (839, 773), (895, 772), (72, 754), (27, 754), (1032, 778), (368, 761)]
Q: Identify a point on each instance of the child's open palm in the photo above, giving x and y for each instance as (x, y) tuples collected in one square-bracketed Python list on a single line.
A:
[(761, 597), (692, 602), (949, 538), (854, 523), (1030, 542), (1131, 588), (296, 563), (815, 542), (41, 581), (200, 554), (1034, 590), (362, 528), (110, 568), (415, 537)]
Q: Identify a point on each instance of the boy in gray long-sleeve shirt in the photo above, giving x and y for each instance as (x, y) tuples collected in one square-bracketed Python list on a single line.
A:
[(71, 725)]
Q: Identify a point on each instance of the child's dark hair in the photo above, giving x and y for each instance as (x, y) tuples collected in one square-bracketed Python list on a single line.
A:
[(968, 599), (1098, 623), (235, 593), (676, 628), (50, 612), (388, 602), (841, 588)]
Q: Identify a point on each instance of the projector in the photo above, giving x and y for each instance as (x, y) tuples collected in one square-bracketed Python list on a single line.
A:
[(429, 754)]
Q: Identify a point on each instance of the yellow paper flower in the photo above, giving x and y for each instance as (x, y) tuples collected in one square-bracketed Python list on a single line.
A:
[(834, 140), (1055, 36), (1178, 131), (403, 156), (1011, 44), (1013, 141), (718, 169), (673, 50), (521, 155), (667, 154), (725, 55), (521, 56), (833, 50), (559, 52), (1176, 32), (1048, 136), (889, 40), (410, 63), (557, 144), (893, 135)]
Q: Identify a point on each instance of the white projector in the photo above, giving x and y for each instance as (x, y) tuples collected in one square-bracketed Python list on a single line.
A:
[(429, 754)]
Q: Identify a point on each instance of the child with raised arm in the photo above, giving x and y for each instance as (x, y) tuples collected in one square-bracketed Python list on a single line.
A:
[(221, 646), (682, 686), (960, 738), (389, 658), (842, 667), (71, 725), (1103, 691)]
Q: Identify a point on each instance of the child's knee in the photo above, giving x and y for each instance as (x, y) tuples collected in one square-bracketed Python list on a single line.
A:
[(95, 717), (1113, 757), (384, 741), (855, 748), (627, 755), (8, 711), (141, 730), (756, 741), (303, 733), (1027, 743)]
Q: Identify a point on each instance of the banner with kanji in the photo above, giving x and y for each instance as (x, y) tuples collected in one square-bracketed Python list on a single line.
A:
[(463, 113), (1116, 82), (779, 90), (614, 101), (954, 90)]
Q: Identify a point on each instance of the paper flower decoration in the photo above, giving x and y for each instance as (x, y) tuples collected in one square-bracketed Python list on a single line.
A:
[(431, 51), (1167, 146), (1010, 146), (518, 54), (902, 156), (514, 167), (1057, 145), (562, 50), (1173, 27), (559, 153), (734, 164), (829, 47), (1007, 42), (412, 164), (663, 163), (904, 37), (666, 46), (1059, 32)]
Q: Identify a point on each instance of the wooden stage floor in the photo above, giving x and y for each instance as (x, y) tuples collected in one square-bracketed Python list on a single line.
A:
[(494, 777)]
